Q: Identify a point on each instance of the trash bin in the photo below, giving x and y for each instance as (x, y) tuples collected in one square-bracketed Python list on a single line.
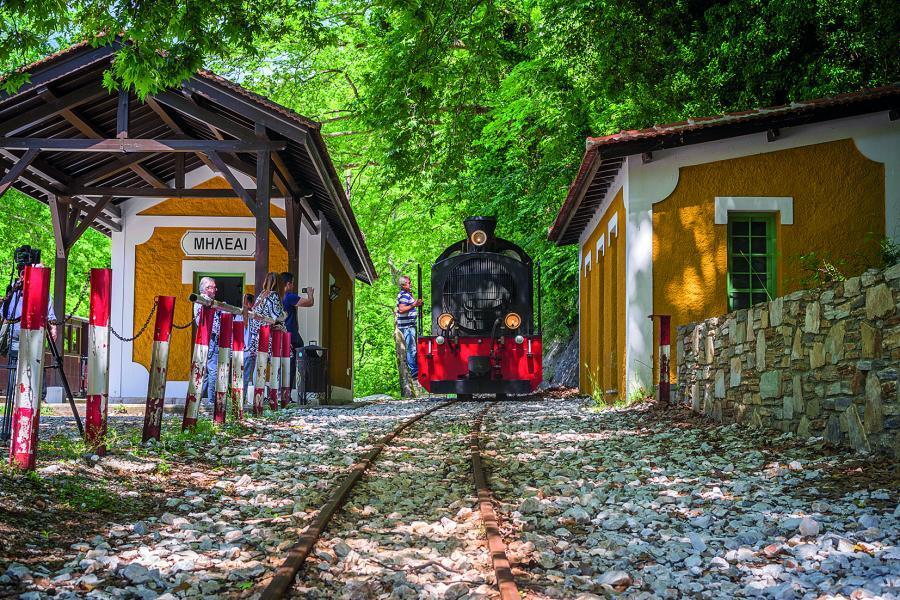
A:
[(312, 365)]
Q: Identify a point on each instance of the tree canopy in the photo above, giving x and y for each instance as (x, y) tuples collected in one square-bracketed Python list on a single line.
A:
[(434, 110)]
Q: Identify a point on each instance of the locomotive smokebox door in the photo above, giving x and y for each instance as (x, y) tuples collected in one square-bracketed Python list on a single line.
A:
[(479, 367), (480, 230)]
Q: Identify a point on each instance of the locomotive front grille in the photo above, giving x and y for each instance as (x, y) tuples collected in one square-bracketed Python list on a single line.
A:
[(477, 292)]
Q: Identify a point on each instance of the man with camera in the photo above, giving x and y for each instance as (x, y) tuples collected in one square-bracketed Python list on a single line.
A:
[(11, 313)]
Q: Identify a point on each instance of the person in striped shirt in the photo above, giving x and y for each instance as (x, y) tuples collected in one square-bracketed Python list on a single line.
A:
[(407, 313)]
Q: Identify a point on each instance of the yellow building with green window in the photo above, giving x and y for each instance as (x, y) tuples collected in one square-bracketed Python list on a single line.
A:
[(697, 218)]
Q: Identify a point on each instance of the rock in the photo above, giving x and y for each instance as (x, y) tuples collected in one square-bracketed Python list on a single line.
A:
[(455, 590), (341, 549), (879, 302), (813, 317), (530, 505), (874, 408), (618, 580), (139, 528), (761, 351), (136, 573), (817, 355), (168, 518), (834, 342), (578, 514), (805, 551), (697, 542), (233, 535), (770, 384), (833, 431), (809, 527), (859, 441), (18, 571)]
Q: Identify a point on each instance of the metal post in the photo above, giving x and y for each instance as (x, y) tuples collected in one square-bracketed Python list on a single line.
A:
[(159, 368), (663, 391), (274, 370), (30, 379), (198, 367), (237, 370), (98, 361), (285, 369), (262, 362), (223, 376)]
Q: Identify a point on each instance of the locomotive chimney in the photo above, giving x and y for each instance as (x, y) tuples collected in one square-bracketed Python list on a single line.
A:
[(480, 230)]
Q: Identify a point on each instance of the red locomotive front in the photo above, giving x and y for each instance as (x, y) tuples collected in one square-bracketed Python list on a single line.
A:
[(484, 339)]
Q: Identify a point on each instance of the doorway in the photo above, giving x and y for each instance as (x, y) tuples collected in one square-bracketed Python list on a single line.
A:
[(229, 286)]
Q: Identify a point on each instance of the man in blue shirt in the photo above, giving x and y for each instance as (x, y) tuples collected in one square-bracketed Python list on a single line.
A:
[(407, 314), (291, 302)]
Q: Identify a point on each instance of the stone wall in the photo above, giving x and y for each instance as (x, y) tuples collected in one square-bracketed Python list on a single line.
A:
[(820, 362)]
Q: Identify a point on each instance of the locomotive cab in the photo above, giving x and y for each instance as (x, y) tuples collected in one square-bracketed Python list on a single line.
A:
[(483, 336)]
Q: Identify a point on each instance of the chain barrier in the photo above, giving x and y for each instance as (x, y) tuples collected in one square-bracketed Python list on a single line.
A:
[(143, 327), (81, 296), (185, 326)]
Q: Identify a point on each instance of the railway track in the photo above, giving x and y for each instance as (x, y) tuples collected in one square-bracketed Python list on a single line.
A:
[(402, 540)]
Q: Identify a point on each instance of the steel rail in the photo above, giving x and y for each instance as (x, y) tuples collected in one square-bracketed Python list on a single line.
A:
[(502, 570), (283, 580)]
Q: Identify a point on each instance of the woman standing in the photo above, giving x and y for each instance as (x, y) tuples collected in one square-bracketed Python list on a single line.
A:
[(267, 304)]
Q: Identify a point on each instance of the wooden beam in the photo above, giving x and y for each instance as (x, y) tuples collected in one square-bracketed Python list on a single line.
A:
[(16, 170), (91, 214), (278, 235), (176, 127), (128, 192), (64, 66), (122, 116), (263, 214), (89, 130), (213, 120), (292, 230), (138, 145), (225, 172), (179, 171), (107, 170), (59, 213), (51, 109)]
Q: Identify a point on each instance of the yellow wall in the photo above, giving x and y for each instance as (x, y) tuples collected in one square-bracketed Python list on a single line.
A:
[(838, 199), (602, 302), (337, 326), (158, 273), (206, 207)]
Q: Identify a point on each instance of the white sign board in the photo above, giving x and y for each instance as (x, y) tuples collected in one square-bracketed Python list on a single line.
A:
[(219, 243)]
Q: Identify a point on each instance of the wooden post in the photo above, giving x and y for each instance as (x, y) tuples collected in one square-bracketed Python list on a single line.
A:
[(275, 369), (262, 361), (237, 370), (198, 367), (159, 368), (98, 361), (223, 375), (263, 187), (27, 407)]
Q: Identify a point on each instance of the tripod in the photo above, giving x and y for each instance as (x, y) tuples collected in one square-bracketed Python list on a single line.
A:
[(12, 367)]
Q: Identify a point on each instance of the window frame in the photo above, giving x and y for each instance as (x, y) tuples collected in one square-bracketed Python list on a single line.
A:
[(771, 288)]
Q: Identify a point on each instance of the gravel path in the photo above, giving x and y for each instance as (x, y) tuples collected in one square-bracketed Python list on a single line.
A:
[(631, 502), (408, 530)]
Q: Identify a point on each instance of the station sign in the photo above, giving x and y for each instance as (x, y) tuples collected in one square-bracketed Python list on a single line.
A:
[(219, 243)]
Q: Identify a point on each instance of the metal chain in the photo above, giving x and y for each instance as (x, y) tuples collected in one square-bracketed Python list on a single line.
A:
[(143, 327), (81, 297), (185, 326)]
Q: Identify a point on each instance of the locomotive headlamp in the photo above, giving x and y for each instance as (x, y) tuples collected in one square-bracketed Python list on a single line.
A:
[(445, 321), (512, 321), (478, 237), (520, 339), (440, 340)]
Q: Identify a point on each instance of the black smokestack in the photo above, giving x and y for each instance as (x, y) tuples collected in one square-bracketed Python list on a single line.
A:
[(485, 224)]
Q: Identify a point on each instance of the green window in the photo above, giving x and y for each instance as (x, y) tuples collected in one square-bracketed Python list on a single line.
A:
[(751, 259)]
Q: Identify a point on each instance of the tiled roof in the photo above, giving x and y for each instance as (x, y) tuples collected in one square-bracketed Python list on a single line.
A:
[(704, 129)]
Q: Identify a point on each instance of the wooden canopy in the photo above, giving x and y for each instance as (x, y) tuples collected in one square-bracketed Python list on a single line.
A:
[(68, 142)]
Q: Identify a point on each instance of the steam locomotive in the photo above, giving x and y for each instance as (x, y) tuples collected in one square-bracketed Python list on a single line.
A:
[(483, 335)]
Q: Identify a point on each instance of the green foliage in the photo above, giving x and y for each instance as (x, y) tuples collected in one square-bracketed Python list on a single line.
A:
[(434, 111), (819, 269), (27, 221)]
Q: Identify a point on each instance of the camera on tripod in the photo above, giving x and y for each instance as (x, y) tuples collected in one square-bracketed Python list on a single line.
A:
[(26, 255)]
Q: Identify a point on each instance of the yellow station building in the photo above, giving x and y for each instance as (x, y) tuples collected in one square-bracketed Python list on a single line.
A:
[(698, 218), (172, 179)]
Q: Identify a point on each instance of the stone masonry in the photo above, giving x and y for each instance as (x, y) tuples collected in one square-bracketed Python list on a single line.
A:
[(821, 362)]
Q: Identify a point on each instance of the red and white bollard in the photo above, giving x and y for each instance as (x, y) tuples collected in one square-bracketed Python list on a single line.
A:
[(198, 367), (262, 362), (663, 392), (285, 369), (30, 371), (159, 368), (98, 361), (223, 376), (237, 370), (275, 370)]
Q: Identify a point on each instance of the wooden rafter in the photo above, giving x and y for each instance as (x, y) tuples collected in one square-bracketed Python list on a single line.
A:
[(138, 145), (16, 170), (50, 109)]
